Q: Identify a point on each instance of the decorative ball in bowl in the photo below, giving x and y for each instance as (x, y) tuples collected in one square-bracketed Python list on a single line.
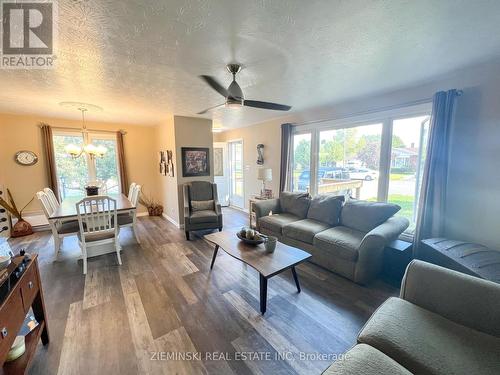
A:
[(250, 236)]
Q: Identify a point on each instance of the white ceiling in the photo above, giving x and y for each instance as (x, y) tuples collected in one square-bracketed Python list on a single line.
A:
[(139, 60)]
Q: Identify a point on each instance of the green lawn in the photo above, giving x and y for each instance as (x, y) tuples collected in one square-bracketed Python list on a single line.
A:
[(397, 176), (406, 203)]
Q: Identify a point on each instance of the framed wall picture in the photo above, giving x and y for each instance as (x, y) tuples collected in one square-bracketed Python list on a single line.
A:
[(161, 162), (218, 161), (195, 161)]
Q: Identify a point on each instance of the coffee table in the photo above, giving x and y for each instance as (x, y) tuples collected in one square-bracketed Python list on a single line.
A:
[(267, 264)]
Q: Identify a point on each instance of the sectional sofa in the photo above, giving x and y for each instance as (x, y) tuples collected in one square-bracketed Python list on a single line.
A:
[(445, 322), (345, 237)]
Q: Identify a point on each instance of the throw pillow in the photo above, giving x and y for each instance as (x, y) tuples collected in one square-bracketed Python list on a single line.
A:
[(326, 208), (365, 216), (295, 203), (202, 205)]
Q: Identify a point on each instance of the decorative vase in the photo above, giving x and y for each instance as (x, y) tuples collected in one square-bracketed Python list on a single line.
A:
[(21, 228), (92, 190), (155, 210)]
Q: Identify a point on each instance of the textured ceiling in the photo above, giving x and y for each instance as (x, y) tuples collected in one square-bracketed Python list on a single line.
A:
[(139, 60)]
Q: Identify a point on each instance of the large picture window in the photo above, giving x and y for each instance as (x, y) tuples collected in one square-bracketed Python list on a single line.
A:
[(378, 157), (74, 173)]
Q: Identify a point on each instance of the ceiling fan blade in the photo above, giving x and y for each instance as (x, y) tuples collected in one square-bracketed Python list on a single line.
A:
[(266, 105), (212, 82), (208, 109)]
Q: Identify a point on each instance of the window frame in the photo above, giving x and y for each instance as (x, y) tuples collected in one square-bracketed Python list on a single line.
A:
[(87, 138), (384, 117)]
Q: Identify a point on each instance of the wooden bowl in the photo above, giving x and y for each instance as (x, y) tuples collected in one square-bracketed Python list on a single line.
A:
[(250, 242)]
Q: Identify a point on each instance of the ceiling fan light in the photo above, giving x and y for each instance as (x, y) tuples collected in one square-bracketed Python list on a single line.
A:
[(233, 103)]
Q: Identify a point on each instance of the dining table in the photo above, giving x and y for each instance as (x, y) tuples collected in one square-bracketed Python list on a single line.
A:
[(67, 212)]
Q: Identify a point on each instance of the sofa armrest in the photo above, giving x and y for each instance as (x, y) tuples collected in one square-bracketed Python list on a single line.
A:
[(264, 207), (464, 299), (217, 206), (371, 249), (185, 190)]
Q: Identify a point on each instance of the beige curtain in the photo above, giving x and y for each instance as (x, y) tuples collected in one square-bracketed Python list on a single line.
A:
[(121, 161), (50, 159)]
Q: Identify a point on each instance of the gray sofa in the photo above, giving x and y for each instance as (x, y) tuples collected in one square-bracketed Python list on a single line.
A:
[(445, 322), (201, 207), (345, 237)]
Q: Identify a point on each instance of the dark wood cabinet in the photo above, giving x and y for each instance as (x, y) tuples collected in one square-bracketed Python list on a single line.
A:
[(22, 292)]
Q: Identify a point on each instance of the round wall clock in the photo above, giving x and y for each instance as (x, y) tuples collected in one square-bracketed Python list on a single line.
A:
[(26, 157)]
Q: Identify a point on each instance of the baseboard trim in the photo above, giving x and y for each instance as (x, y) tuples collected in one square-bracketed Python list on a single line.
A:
[(140, 214), (172, 220)]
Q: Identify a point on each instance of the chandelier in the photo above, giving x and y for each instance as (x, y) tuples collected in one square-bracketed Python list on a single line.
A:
[(88, 148)]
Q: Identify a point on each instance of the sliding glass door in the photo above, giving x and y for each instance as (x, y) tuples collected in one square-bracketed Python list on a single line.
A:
[(236, 194)]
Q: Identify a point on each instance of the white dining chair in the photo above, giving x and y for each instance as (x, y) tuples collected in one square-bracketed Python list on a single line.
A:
[(52, 197), (129, 219), (60, 229), (131, 190), (97, 220)]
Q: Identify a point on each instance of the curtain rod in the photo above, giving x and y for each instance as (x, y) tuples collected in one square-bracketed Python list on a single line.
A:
[(78, 129), (369, 111)]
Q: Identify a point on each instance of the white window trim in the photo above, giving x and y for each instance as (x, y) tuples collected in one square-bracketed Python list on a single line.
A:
[(91, 166), (386, 118)]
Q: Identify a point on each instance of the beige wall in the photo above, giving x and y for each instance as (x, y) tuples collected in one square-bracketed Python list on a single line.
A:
[(167, 185), (191, 132), (21, 132), (269, 134), (473, 201)]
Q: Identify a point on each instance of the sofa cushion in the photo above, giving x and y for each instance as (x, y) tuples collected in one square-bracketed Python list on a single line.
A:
[(304, 230), (364, 216), (202, 205), (427, 343), (365, 360), (340, 242), (295, 203), (326, 208), (203, 216), (276, 222)]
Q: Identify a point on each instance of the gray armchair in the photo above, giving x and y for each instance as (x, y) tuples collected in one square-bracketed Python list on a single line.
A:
[(201, 207)]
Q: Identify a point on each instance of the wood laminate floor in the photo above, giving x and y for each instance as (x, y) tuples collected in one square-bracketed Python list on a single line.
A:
[(164, 312)]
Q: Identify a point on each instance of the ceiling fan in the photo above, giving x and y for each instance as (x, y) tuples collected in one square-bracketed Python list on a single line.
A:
[(234, 95)]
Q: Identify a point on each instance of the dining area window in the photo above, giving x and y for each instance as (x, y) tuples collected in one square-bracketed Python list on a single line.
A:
[(75, 171)]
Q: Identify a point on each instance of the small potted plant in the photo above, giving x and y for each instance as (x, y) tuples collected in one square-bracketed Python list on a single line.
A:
[(21, 227), (154, 208)]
